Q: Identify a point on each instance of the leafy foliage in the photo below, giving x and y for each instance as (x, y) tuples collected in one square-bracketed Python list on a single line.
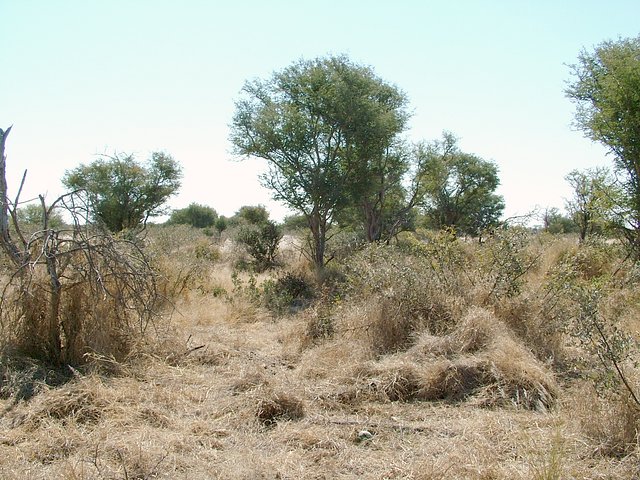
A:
[(555, 222), (123, 192), (606, 90), (391, 186), (290, 291), (261, 242), (196, 215), (594, 198), (32, 215), (250, 215), (506, 261), (459, 189), (293, 223), (313, 122)]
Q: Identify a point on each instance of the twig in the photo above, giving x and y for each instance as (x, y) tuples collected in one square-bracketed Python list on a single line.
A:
[(398, 427), (124, 467)]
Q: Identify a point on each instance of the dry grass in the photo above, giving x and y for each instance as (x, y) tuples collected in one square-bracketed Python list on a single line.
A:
[(254, 414), (231, 393)]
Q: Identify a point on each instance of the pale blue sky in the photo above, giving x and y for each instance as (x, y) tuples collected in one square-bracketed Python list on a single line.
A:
[(86, 77)]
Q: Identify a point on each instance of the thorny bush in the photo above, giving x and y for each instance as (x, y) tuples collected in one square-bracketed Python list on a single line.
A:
[(77, 290)]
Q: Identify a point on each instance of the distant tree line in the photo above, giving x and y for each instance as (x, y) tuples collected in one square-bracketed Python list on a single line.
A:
[(333, 136)]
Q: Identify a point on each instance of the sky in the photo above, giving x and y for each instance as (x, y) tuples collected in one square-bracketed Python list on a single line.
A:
[(80, 78)]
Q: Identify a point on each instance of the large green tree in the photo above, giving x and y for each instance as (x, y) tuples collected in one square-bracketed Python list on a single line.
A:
[(606, 90), (124, 192), (318, 123), (460, 188)]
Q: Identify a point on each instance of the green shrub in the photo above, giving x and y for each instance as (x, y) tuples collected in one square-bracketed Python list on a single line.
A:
[(261, 243), (196, 215), (250, 215), (287, 293)]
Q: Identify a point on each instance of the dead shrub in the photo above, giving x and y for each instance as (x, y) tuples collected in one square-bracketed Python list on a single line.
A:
[(389, 328), (611, 422), (249, 381), (22, 377), (183, 256), (279, 407), (320, 325), (539, 321), (591, 259), (462, 379), (442, 380), (475, 332), (395, 380), (518, 377), (76, 290)]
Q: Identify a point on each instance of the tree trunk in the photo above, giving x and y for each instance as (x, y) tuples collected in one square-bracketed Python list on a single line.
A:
[(318, 228), (7, 243)]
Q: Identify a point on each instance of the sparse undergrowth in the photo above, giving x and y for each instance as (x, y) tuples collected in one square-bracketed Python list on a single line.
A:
[(435, 358)]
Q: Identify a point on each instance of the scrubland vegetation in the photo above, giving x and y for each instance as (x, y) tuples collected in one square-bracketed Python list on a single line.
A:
[(434, 357), (397, 327)]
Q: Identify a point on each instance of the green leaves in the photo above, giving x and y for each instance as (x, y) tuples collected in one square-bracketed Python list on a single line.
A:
[(123, 192), (196, 215), (595, 195), (318, 124), (606, 90), (459, 188)]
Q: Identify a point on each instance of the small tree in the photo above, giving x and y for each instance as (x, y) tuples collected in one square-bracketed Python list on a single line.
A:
[(594, 197), (251, 215), (31, 214), (460, 189), (391, 186), (123, 192), (294, 222), (196, 215), (556, 223), (221, 224), (606, 90)]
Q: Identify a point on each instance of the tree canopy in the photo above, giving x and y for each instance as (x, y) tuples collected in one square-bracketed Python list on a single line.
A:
[(32, 214), (318, 123), (460, 188), (606, 90), (594, 197), (125, 193), (251, 215), (196, 215)]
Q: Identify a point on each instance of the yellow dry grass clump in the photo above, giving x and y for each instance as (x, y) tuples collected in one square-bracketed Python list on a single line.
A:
[(230, 390)]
